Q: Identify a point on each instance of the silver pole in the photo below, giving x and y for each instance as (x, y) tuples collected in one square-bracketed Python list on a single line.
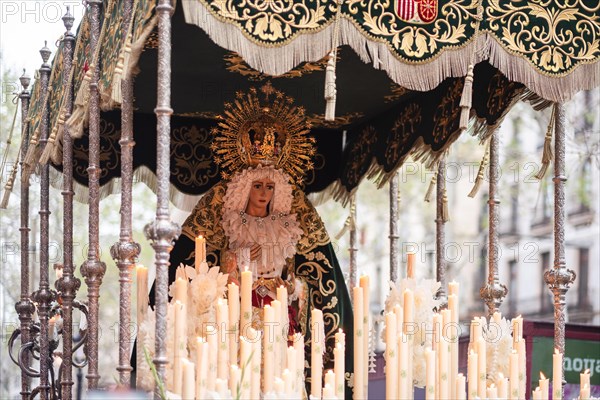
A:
[(126, 251), (162, 231), (353, 249), (394, 236), (440, 233), (44, 296), (93, 269), (68, 284), (559, 278), (493, 292), (24, 306)]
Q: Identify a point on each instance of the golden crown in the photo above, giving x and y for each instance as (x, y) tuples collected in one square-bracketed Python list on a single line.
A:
[(271, 131)]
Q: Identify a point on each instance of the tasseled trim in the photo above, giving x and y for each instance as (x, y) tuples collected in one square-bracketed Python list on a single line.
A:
[(432, 186), (445, 212), (49, 149), (9, 184), (466, 99), (480, 173), (122, 65), (330, 88), (548, 154), (350, 223)]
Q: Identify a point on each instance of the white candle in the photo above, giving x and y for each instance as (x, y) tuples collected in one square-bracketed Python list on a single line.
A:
[(256, 366), (482, 366), (317, 332), (472, 369), (453, 332), (282, 297), (221, 387), (212, 340), (492, 392), (460, 387), (235, 374), (358, 343), (300, 359), (277, 348), (189, 383), (391, 357), (430, 367), (246, 317), (330, 378), (557, 366), (339, 360), (410, 265), (502, 386), (223, 352), (286, 377), (435, 346), (443, 356), (584, 378), (201, 367), (399, 311), (364, 283), (453, 288), (409, 311), (278, 387), (268, 346), (517, 325), (584, 393), (328, 393), (537, 394), (181, 290), (180, 350), (544, 386), (200, 251), (291, 367), (476, 330), (403, 384), (246, 367), (522, 367), (233, 301), (514, 375)]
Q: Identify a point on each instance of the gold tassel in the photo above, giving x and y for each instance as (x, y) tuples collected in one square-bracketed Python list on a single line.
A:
[(9, 185), (330, 88), (547, 154), (121, 71), (445, 212), (466, 99), (432, 186), (480, 173), (48, 149)]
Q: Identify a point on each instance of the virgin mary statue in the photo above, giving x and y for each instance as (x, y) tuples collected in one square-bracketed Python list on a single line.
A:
[(259, 218)]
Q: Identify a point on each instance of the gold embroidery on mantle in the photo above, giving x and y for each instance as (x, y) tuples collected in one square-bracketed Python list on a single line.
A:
[(553, 35), (318, 120), (418, 43), (235, 63), (445, 120), (404, 126), (274, 22)]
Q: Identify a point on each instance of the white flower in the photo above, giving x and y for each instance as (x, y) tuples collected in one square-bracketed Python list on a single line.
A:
[(498, 340)]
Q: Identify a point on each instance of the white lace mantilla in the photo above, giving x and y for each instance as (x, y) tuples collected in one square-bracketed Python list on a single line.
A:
[(277, 233)]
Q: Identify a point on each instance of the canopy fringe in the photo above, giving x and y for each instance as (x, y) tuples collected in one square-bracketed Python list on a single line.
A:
[(547, 154)]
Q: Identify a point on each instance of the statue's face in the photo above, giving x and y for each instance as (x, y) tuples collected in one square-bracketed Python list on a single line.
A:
[(261, 193)]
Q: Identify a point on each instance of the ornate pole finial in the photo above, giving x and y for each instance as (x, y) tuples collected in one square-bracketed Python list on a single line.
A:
[(25, 80), (45, 53), (68, 19)]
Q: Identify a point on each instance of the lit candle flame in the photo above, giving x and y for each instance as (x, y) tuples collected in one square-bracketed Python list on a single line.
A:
[(542, 376)]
